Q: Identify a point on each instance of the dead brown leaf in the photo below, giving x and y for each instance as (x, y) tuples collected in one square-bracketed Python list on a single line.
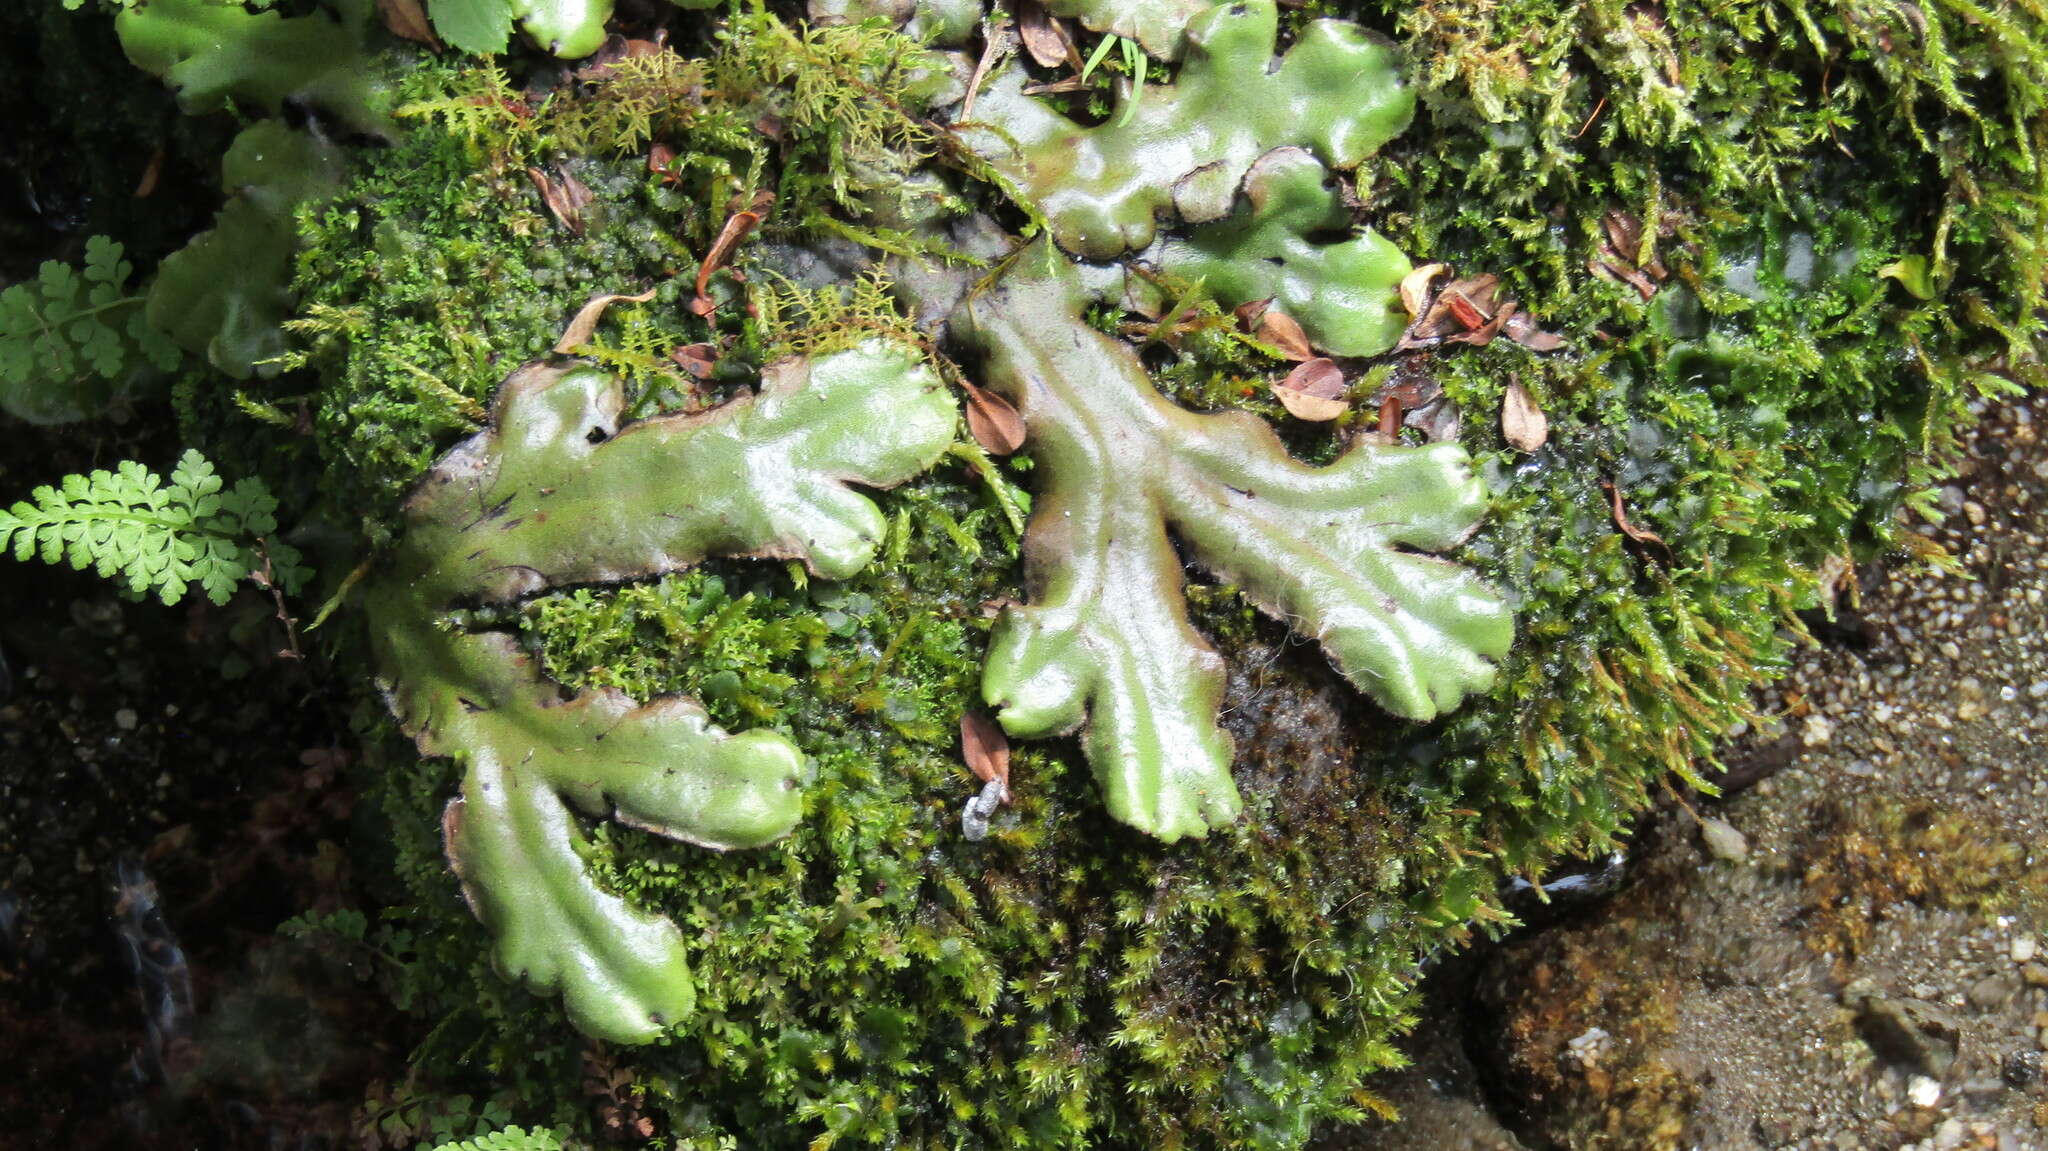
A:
[(1624, 234), (986, 749), (998, 42), (1460, 308), (584, 326), (602, 63), (1638, 534), (1058, 87), (994, 422), (1522, 423), (1523, 330), (1415, 287), (1390, 418), (1439, 420), (1611, 265), (1480, 293), (1043, 36), (1483, 335), (151, 173), (1280, 331), (736, 228), (1463, 310), (405, 18), (1250, 313), (565, 196), (696, 359), (1313, 391), (659, 157)]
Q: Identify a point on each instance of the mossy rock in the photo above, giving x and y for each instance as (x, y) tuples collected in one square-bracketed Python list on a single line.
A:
[(1743, 392)]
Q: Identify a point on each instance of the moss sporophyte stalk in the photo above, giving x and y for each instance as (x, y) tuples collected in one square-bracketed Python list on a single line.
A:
[(676, 631)]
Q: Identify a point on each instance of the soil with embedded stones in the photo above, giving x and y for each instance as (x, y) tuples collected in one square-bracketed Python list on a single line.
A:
[(171, 791), (1850, 948)]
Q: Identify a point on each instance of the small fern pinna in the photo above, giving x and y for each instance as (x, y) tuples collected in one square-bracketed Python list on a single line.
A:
[(157, 537)]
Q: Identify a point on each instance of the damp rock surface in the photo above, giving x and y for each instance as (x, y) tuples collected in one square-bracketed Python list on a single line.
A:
[(1859, 976)]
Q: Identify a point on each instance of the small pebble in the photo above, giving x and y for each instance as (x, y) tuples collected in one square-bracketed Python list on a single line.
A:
[(1923, 1091), (2023, 948), (126, 719), (1817, 731), (1723, 841)]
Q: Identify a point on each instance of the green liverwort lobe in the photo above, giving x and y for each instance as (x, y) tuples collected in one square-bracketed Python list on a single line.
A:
[(559, 491), (1105, 642), (1344, 293), (227, 294), (1186, 147), (216, 54), (1155, 24)]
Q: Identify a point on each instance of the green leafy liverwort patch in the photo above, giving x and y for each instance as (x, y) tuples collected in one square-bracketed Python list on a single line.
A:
[(1158, 25), (227, 294), (560, 491)]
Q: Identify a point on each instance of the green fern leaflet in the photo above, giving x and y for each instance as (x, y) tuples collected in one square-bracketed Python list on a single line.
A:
[(128, 524), (71, 338), (510, 1139)]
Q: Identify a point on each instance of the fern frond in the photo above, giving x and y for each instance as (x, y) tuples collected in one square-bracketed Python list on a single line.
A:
[(509, 1139), (74, 324), (128, 524)]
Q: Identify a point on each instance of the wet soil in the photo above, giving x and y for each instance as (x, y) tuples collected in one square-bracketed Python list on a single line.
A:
[(158, 820)]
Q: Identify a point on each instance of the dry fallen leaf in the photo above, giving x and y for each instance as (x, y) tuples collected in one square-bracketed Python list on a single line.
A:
[(1439, 420), (1463, 310), (659, 157), (696, 359), (146, 187), (1279, 331), (998, 42), (736, 228), (994, 421), (1610, 265), (1639, 535), (1250, 313), (986, 750), (1058, 87), (584, 326), (1523, 330), (1041, 34), (1483, 335), (566, 197), (404, 18), (1521, 421), (1415, 287), (1313, 391), (1625, 233)]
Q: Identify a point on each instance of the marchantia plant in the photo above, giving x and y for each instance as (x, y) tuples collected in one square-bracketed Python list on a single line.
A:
[(677, 631)]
